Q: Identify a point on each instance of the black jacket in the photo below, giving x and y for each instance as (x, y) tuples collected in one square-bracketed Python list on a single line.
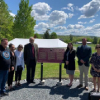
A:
[(84, 54), (5, 60), (71, 58), (13, 60)]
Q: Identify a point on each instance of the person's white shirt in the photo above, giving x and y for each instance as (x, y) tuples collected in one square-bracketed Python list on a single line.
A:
[(19, 59)]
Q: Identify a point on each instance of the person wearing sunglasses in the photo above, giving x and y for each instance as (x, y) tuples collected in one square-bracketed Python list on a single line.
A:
[(95, 67)]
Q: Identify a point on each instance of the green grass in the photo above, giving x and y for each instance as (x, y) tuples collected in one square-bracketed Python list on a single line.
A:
[(51, 70)]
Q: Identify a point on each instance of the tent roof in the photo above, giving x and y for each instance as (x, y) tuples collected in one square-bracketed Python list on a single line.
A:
[(42, 43)]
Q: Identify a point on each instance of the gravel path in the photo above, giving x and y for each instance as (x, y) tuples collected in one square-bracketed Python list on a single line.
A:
[(48, 91)]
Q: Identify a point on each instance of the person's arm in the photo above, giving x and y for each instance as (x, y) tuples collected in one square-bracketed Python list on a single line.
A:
[(88, 55), (77, 53), (23, 65), (25, 54)]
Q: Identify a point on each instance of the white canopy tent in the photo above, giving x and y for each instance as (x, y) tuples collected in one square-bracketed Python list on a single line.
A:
[(42, 43)]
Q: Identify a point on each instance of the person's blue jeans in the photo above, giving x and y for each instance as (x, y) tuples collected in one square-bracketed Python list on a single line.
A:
[(3, 80)]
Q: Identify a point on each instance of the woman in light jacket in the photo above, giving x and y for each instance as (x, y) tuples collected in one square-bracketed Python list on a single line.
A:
[(19, 64)]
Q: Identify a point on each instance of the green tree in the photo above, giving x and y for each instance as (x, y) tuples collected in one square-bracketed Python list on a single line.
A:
[(46, 34), (36, 35), (6, 21), (24, 23), (95, 40), (53, 35), (71, 37)]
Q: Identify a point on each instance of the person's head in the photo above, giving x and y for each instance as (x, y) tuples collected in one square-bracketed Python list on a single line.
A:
[(70, 46), (20, 48), (84, 41), (11, 47), (97, 47), (31, 40), (4, 42)]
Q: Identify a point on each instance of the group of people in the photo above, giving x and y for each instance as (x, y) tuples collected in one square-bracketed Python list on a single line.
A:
[(85, 58), (13, 60)]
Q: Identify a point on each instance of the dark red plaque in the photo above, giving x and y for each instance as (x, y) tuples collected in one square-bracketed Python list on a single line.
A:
[(52, 55)]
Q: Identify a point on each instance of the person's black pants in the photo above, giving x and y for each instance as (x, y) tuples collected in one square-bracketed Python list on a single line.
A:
[(31, 70), (10, 77), (18, 75)]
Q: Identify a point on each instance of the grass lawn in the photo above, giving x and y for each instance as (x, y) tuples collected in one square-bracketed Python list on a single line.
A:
[(51, 70)]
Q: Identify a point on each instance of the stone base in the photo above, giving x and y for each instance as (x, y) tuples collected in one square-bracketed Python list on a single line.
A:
[(59, 83), (42, 82)]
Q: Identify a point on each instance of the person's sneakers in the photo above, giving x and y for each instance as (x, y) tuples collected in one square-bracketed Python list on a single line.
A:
[(86, 88), (79, 86), (19, 84), (94, 90), (5, 94), (32, 82)]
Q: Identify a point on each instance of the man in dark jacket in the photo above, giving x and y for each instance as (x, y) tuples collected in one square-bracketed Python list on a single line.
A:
[(30, 58), (4, 65), (83, 54)]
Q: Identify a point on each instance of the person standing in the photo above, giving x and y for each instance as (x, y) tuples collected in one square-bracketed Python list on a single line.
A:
[(12, 67), (95, 68), (4, 66), (83, 54), (19, 65), (30, 58), (70, 62)]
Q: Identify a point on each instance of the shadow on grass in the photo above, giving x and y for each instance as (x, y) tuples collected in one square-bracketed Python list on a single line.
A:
[(64, 91)]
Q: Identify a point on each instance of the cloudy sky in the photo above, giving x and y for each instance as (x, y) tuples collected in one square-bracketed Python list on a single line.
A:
[(77, 17)]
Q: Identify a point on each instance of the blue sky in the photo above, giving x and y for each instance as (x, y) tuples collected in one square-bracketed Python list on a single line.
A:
[(77, 17)]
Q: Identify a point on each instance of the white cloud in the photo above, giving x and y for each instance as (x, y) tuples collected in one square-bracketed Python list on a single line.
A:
[(91, 21), (60, 28), (58, 17), (13, 15), (76, 26), (42, 25), (90, 8), (82, 22), (69, 7), (83, 16), (96, 26), (70, 15), (40, 11)]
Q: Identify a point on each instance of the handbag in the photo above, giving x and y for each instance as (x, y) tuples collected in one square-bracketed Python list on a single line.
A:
[(19, 68)]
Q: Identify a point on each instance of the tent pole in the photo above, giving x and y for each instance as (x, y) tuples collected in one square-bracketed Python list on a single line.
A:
[(60, 73), (41, 72)]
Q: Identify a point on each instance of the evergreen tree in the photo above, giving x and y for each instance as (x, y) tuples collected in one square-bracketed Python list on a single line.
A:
[(46, 34), (24, 23), (71, 37), (95, 40), (53, 35), (6, 21)]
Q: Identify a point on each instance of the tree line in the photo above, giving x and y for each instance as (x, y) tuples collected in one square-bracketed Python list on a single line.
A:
[(22, 25)]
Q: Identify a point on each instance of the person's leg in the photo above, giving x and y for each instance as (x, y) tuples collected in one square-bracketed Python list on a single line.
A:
[(19, 78), (9, 80), (12, 74), (28, 73), (98, 84), (94, 82), (16, 77), (1, 78), (33, 70), (86, 69), (81, 74), (71, 79), (5, 78)]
